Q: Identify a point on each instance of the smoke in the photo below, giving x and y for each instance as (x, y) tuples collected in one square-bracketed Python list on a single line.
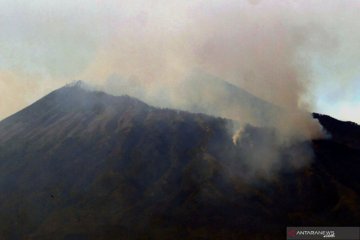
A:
[(237, 136), (256, 46), (262, 153), (179, 54), (270, 48), (183, 64)]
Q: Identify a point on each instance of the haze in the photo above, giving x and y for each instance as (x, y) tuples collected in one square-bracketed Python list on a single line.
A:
[(296, 54)]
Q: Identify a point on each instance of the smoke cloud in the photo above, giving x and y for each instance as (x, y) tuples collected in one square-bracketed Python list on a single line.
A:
[(256, 48), (201, 56)]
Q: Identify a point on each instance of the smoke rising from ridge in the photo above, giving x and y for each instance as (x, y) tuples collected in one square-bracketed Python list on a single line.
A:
[(177, 54), (282, 51), (254, 47)]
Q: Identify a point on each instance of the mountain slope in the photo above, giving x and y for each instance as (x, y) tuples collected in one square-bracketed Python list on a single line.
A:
[(82, 164), (74, 141), (347, 133)]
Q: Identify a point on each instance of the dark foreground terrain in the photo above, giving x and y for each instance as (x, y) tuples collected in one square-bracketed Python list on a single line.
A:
[(86, 165)]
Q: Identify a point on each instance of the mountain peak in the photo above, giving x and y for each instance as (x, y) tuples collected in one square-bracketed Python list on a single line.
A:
[(75, 100), (79, 84)]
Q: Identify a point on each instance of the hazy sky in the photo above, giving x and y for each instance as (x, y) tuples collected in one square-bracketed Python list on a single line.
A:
[(304, 51)]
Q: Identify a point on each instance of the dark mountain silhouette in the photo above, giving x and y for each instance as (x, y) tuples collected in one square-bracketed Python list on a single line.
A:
[(347, 133), (80, 164)]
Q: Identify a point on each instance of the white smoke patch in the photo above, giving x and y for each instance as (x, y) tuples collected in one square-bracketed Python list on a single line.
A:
[(236, 136)]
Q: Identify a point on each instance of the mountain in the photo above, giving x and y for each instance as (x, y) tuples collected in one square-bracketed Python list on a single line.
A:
[(347, 133), (82, 164)]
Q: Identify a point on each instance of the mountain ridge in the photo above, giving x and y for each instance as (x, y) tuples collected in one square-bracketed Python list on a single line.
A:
[(86, 165)]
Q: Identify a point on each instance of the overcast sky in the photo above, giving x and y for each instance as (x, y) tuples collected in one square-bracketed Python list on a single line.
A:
[(312, 47)]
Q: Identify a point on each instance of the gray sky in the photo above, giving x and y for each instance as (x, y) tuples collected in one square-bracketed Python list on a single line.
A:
[(287, 51)]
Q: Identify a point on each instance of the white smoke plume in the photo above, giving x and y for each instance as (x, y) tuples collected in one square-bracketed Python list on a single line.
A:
[(178, 54)]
